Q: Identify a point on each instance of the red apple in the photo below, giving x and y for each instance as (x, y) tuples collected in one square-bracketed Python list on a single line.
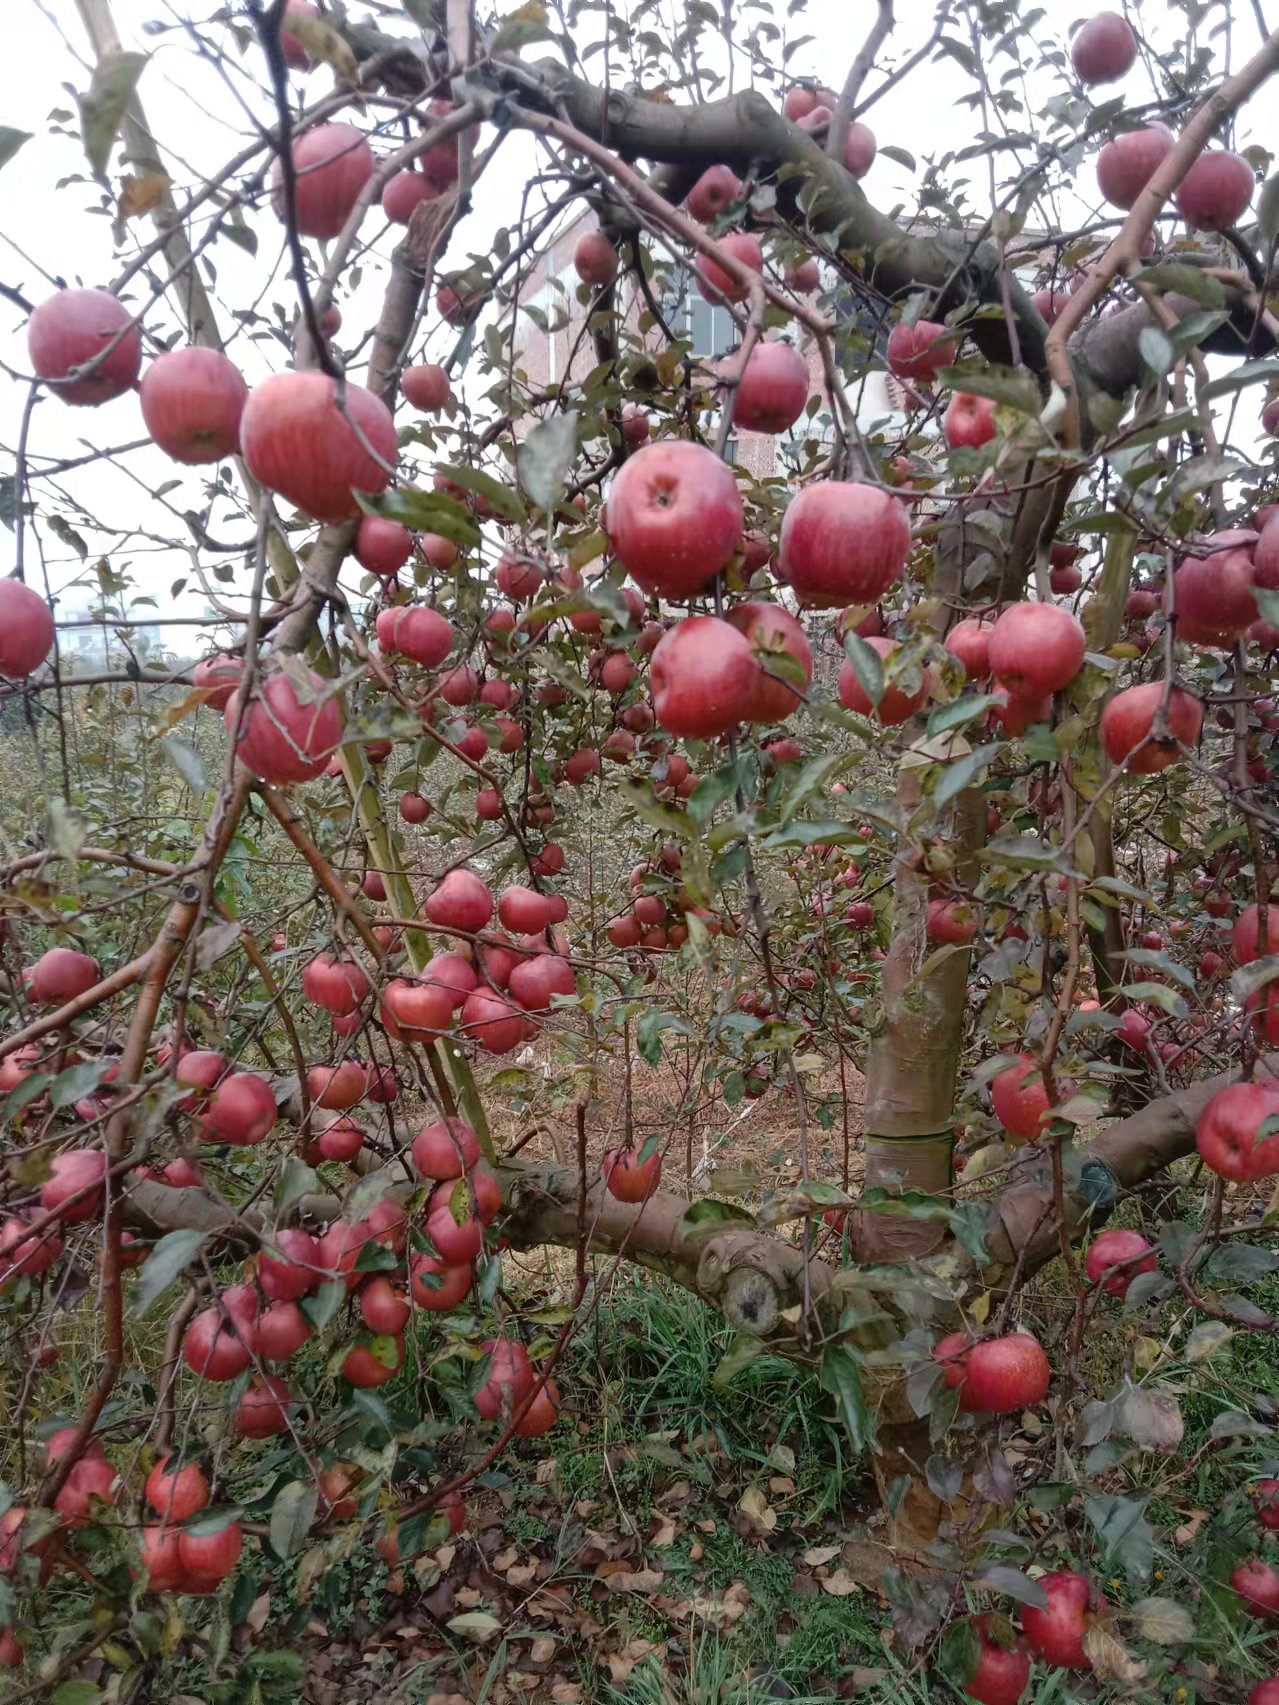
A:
[(1036, 649), (628, 1177), (716, 189), (897, 703), (704, 678), (419, 633), (298, 442), (73, 327), (404, 194), (78, 1173), (218, 675), (1246, 936), (1003, 1664), (337, 1087), (675, 517), (241, 1111), (969, 641), (436, 1285), (1019, 1098), (534, 981), (859, 149), (445, 1149), (509, 1378), (1126, 165), (332, 163), (1226, 1133), (715, 282), (1056, 1632), (1257, 1584), (595, 259), (919, 351), (773, 389), (1116, 1257), (425, 387), (843, 543), (210, 1556), (1213, 594), (461, 901), (969, 421), (1217, 190), (285, 739), (1127, 725), (495, 1023), (175, 1494), (1104, 49), (382, 547), (192, 400), (776, 638), (59, 975)]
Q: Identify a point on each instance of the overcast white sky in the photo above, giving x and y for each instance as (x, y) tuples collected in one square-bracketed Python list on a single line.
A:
[(54, 222)]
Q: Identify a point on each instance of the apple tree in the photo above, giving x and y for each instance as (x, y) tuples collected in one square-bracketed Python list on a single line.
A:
[(935, 751)]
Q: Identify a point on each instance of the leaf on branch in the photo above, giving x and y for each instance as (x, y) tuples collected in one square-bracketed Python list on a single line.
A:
[(743, 1350), (103, 108), (325, 46), (172, 1255), (545, 457), (216, 940), (185, 759), (10, 141), (1002, 1579), (292, 1514), (1184, 280), (841, 1376), (1010, 386), (139, 195), (868, 666)]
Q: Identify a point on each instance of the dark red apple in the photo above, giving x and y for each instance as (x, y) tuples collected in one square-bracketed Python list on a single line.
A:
[(1056, 1632), (1116, 1257), (1104, 49)]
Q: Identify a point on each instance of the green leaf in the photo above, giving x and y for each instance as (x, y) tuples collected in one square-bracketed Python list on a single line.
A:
[(1157, 994), (102, 109), (1268, 210), (708, 1214), (1156, 349), (291, 1516), (76, 1081), (296, 1180), (77, 1692), (1184, 280), (10, 141), (955, 777), (1011, 386), (961, 1652), (648, 1033), (186, 761), (868, 666), (712, 790), (1000, 1578), (841, 1376), (501, 498), (743, 1350), (320, 1307), (959, 711), (172, 1255), (1249, 373), (1123, 1532), (425, 512), (545, 457), (527, 24)]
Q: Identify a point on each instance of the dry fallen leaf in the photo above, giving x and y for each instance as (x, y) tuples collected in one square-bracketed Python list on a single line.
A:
[(756, 1507), (258, 1612), (504, 1559), (522, 1574), (633, 1580), (543, 1649), (1185, 1534), (664, 1534), (816, 1555), (839, 1584)]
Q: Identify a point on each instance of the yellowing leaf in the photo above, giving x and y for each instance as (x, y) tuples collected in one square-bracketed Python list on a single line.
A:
[(141, 195)]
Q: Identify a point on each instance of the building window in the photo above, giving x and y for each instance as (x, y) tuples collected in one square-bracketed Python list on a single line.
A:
[(708, 326)]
